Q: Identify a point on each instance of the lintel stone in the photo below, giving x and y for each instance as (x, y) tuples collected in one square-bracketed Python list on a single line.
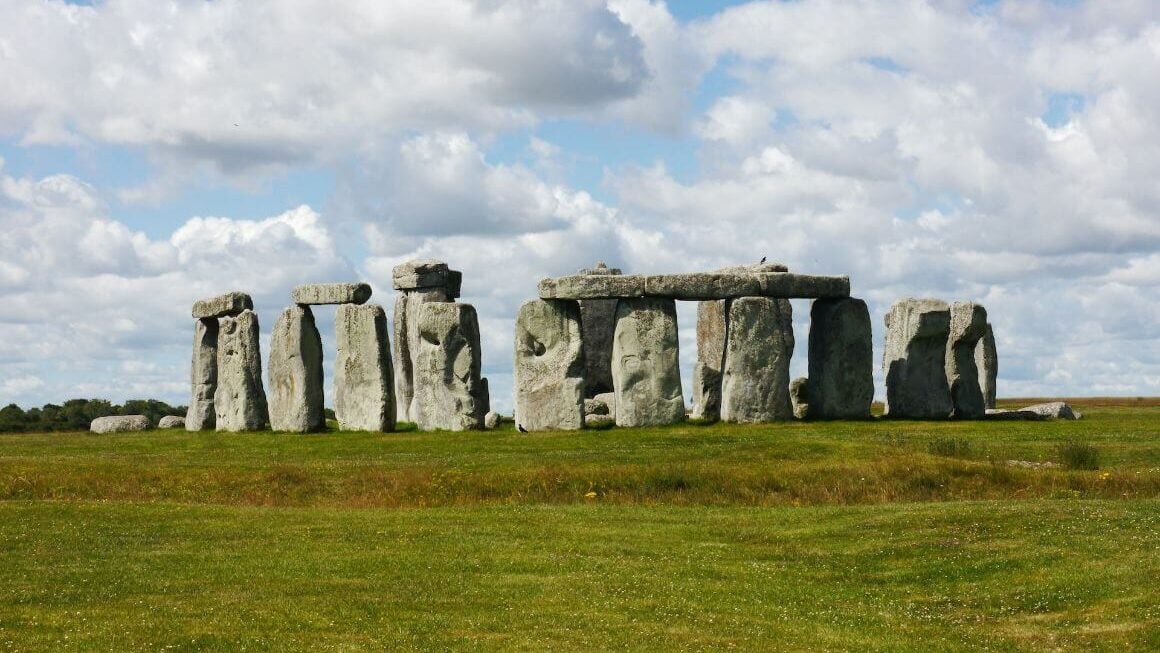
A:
[(227, 305), (332, 293)]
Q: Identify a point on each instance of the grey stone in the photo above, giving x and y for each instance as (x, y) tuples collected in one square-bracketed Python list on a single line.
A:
[(597, 320), (491, 420), (171, 422), (595, 407), (1003, 415), (915, 358), (364, 378), (549, 366), (425, 274), (600, 268), (598, 421), (799, 397), (987, 362), (841, 359), (120, 423), (758, 348), (968, 326), (645, 371), (447, 368), (483, 395), (608, 399), (226, 305), (756, 268), (1053, 410), (798, 286), (294, 373), (203, 376), (701, 285), (710, 360), (332, 293), (592, 286), (240, 399), (406, 345)]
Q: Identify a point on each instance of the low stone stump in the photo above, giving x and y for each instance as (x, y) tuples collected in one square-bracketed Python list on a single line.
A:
[(203, 375), (987, 362), (967, 327), (332, 293), (549, 366), (240, 399), (915, 357), (447, 368), (364, 394), (841, 360), (171, 422), (755, 379), (645, 373), (120, 424), (295, 373)]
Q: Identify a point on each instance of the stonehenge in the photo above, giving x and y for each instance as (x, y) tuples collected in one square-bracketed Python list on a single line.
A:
[(645, 374), (917, 331), (418, 282), (967, 327), (364, 383), (448, 393), (240, 399), (758, 347), (294, 371), (841, 360), (549, 366)]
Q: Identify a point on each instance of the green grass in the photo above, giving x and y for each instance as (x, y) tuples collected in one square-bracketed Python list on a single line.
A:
[(807, 536)]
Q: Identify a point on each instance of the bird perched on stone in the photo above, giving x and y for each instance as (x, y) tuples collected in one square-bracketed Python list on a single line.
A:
[(761, 261)]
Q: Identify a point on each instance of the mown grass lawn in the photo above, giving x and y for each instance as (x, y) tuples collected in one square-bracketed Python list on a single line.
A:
[(805, 536)]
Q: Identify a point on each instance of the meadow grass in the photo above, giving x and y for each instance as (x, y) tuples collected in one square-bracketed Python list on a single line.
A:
[(802, 536)]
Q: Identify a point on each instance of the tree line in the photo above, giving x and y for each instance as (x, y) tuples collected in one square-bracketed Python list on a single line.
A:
[(77, 414)]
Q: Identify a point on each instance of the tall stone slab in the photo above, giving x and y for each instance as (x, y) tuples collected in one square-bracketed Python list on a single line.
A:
[(203, 376), (914, 360), (597, 322), (967, 328), (987, 361), (711, 330), (447, 367), (549, 366), (645, 373), (364, 392), (841, 363), (240, 399), (406, 345), (758, 348), (294, 373)]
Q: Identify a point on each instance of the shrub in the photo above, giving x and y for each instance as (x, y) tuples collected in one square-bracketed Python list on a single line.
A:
[(1079, 455)]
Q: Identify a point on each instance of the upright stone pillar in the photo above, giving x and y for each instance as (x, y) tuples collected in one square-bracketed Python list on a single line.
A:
[(295, 373), (915, 357), (755, 378), (447, 366), (549, 366), (203, 375), (711, 328), (419, 282), (987, 360), (364, 394), (645, 373), (240, 399), (841, 381), (968, 326), (597, 322)]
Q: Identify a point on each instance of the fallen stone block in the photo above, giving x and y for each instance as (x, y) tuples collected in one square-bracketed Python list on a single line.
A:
[(549, 366), (120, 424), (1053, 410), (332, 293), (226, 305), (171, 422), (599, 421), (915, 359)]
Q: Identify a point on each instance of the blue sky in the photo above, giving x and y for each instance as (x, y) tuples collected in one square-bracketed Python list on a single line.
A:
[(153, 153)]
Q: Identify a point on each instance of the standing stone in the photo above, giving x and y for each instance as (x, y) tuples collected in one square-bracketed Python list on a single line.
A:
[(987, 361), (841, 359), (203, 376), (799, 397), (294, 372), (447, 368), (645, 372), (240, 399), (755, 379), (597, 321), (914, 360), (549, 366), (364, 398), (710, 360), (968, 326), (406, 344)]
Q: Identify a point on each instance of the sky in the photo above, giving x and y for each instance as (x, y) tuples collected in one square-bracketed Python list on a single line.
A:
[(153, 153)]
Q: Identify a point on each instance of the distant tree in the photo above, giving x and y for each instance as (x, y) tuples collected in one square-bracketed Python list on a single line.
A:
[(13, 419)]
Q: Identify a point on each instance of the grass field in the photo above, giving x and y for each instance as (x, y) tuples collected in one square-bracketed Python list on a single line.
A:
[(882, 535)]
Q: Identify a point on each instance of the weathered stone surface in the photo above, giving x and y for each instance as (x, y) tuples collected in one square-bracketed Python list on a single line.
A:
[(710, 360), (226, 305), (706, 398), (1002, 415), (491, 420), (549, 366), (597, 320), (483, 395), (1053, 410), (364, 378), (600, 268), (841, 359), (427, 274), (240, 399), (203, 376), (171, 422), (701, 285), (332, 293), (595, 407), (294, 373), (698, 285), (915, 358), (798, 286), (447, 368), (406, 345), (987, 362), (756, 268), (591, 286), (120, 423), (608, 399), (645, 373), (758, 347), (799, 397), (968, 326)]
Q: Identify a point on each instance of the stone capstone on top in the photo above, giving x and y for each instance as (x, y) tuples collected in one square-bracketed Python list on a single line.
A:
[(332, 293), (695, 286), (226, 305), (120, 423), (427, 273)]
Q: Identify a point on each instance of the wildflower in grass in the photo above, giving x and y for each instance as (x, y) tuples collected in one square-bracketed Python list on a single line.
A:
[(590, 495)]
